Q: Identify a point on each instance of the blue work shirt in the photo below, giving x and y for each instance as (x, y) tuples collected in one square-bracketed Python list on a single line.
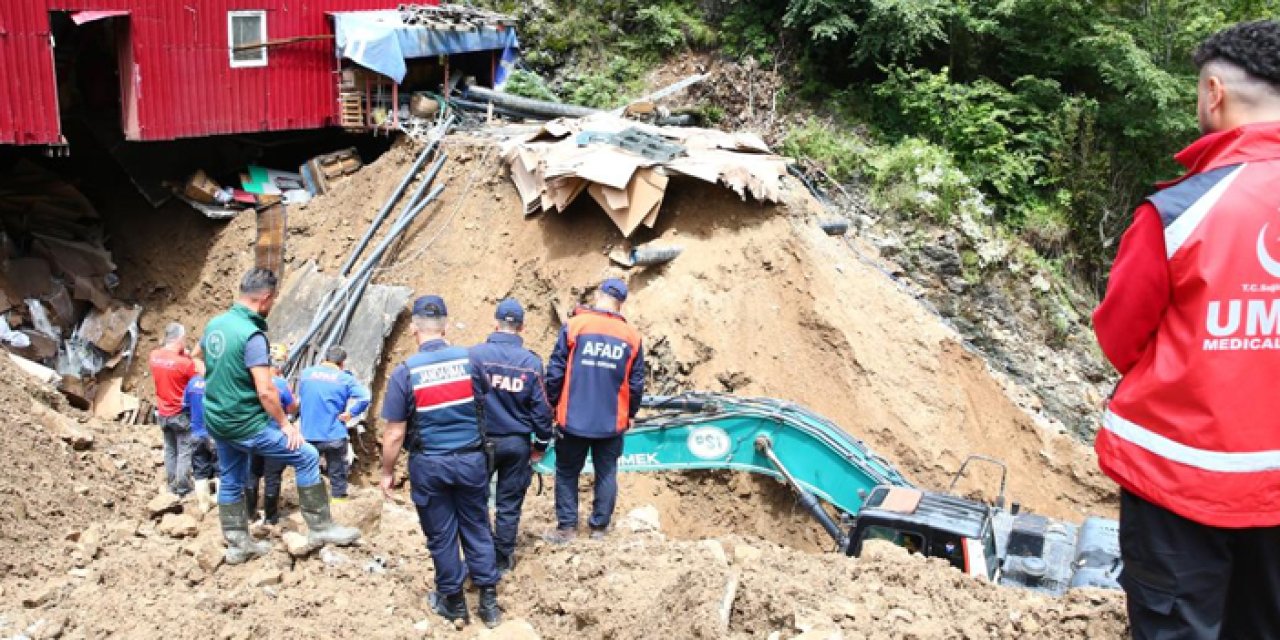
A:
[(286, 397), (507, 380), (326, 392), (432, 393), (193, 404)]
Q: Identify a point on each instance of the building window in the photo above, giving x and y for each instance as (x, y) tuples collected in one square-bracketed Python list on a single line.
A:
[(246, 28)]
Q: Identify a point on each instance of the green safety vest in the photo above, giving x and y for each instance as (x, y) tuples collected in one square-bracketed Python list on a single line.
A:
[(232, 410)]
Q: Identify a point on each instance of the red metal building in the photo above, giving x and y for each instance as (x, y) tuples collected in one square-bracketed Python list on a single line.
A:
[(167, 68)]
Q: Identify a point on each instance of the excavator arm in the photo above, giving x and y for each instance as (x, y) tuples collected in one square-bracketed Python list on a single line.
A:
[(702, 430)]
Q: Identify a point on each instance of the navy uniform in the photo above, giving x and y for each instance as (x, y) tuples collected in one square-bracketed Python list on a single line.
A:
[(448, 467), (507, 380)]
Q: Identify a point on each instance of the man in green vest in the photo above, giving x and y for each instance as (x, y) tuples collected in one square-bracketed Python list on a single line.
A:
[(243, 414)]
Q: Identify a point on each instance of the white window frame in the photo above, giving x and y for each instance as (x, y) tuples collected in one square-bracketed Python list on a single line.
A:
[(231, 36)]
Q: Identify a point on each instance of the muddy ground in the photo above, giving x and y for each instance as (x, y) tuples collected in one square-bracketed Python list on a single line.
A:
[(760, 303)]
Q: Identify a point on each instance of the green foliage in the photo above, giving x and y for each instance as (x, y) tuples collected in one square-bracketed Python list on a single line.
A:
[(821, 143), (605, 87), (670, 27), (917, 178), (530, 85)]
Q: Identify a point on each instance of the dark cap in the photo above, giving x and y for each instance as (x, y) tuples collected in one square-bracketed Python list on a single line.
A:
[(510, 311), (615, 288), (430, 307)]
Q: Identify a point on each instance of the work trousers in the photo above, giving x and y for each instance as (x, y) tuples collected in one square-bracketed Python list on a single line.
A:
[(334, 453), (177, 452), (451, 494), (511, 465), (270, 443), (571, 457), (204, 457), (1186, 580)]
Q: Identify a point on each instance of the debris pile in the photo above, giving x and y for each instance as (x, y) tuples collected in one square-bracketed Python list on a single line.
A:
[(626, 166), (56, 284), (263, 187)]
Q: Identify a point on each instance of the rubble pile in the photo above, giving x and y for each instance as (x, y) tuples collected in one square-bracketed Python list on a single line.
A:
[(57, 307)]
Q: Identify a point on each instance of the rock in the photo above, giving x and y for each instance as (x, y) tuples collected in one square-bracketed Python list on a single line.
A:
[(266, 577), (898, 614), (716, 550), (40, 595), (422, 626), (122, 530), (162, 504), (179, 525), (209, 556), (515, 629), (297, 544), (643, 519), (333, 558), (744, 554), (1030, 626), (63, 427)]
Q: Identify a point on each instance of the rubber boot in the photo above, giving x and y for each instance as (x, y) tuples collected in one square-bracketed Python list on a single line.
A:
[(488, 610), (251, 503), (452, 607), (241, 547), (204, 497), (271, 509), (314, 501)]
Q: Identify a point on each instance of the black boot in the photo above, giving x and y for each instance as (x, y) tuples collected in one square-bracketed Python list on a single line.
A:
[(271, 509), (451, 607), (251, 504), (488, 610), (505, 563)]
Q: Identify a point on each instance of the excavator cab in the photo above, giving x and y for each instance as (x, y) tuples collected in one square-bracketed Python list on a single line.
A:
[(936, 525)]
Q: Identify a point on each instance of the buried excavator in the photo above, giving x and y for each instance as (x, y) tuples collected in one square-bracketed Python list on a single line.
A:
[(824, 465)]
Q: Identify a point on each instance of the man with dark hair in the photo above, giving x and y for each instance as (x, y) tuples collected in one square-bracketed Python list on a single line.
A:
[(171, 369), (264, 474), (241, 401), (508, 383), (1191, 320), (595, 381), (430, 396), (332, 399)]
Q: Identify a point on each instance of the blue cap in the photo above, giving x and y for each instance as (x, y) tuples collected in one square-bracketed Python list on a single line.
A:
[(510, 311), (430, 307), (616, 289)]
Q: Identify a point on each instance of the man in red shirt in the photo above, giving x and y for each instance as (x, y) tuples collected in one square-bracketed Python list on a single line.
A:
[(171, 369), (1192, 321)]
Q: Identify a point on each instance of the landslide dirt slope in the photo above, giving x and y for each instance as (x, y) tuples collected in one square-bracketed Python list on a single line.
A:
[(760, 303)]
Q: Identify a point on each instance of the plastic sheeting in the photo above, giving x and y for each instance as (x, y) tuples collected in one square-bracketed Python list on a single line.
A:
[(381, 41)]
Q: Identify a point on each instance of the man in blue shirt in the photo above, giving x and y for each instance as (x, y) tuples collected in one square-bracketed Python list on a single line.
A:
[(267, 473), (203, 451), (331, 398), (430, 405), (507, 380)]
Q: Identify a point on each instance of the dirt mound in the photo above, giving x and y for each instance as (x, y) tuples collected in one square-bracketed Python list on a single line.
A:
[(760, 303)]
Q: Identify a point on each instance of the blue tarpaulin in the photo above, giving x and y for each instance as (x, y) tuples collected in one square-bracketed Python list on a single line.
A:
[(381, 41)]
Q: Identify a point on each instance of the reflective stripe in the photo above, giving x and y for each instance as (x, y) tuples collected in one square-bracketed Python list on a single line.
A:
[(1176, 234), (1219, 461)]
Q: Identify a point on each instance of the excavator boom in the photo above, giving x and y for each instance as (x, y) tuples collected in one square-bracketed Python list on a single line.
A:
[(702, 430)]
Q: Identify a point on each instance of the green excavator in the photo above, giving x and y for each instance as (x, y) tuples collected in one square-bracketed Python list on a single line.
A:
[(856, 496)]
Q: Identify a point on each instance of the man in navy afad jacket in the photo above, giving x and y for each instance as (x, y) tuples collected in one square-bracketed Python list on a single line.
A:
[(507, 381), (595, 380)]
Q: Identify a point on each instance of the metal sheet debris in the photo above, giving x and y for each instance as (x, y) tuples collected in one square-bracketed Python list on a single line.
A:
[(374, 318), (625, 166)]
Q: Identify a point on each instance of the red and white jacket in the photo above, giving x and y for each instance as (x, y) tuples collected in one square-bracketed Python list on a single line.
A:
[(1192, 321)]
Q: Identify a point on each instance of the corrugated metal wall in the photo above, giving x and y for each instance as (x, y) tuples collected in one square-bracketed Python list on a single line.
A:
[(184, 85)]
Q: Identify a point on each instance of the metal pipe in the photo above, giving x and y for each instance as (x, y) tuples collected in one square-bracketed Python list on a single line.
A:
[(395, 197), (807, 500), (330, 305), (339, 326)]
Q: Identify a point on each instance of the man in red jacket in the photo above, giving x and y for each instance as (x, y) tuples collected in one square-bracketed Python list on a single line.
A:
[(1192, 321)]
